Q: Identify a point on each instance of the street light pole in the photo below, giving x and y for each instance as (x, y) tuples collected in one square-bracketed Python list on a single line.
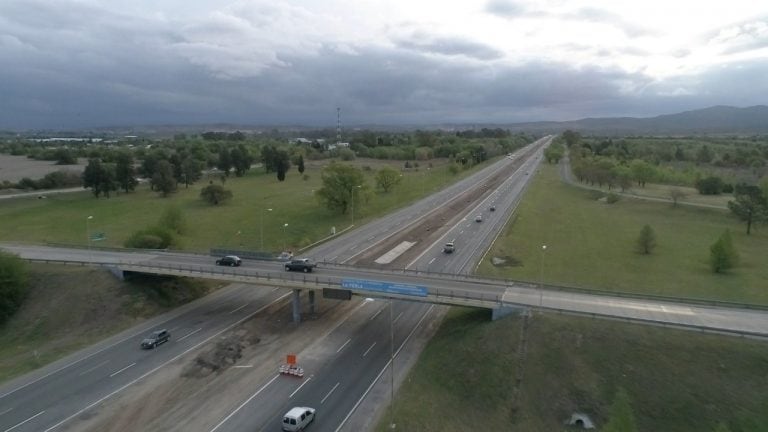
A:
[(285, 247), (88, 236), (392, 366), (541, 276), (261, 227)]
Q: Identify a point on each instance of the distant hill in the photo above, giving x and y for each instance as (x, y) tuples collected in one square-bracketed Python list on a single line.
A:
[(713, 120)]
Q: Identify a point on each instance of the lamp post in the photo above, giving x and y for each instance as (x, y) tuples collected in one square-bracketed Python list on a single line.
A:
[(392, 366), (353, 203), (88, 236), (285, 227), (261, 228), (541, 276)]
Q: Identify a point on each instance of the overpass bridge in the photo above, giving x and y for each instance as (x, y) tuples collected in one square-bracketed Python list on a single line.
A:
[(500, 296)]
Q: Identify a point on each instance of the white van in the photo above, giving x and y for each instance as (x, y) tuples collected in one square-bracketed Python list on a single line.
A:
[(298, 418)]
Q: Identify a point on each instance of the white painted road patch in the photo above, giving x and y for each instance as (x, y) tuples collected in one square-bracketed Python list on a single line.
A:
[(395, 252)]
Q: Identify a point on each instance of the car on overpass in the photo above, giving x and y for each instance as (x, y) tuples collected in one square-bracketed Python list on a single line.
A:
[(301, 264), (229, 260)]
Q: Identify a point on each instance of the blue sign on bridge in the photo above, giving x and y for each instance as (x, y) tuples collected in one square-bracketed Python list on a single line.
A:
[(385, 287)]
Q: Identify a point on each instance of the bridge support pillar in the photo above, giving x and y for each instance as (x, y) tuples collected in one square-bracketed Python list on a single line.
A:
[(503, 311), (117, 273), (311, 294), (296, 306)]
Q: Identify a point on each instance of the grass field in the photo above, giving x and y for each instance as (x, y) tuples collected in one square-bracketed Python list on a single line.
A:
[(678, 381), (591, 244), (236, 224)]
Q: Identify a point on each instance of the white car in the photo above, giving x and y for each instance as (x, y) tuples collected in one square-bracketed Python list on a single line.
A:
[(298, 418), (479, 218)]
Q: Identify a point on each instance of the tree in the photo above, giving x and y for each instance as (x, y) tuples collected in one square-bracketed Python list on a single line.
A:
[(99, 177), (268, 158), (340, 186), (64, 157), (225, 162), (571, 138), (623, 176), (215, 194), (241, 160), (300, 164), (711, 185), (173, 219), (722, 254), (621, 419), (676, 195), (704, 155), (282, 163), (749, 205), (13, 284), (387, 178), (646, 242), (191, 170), (164, 180), (125, 173), (642, 171)]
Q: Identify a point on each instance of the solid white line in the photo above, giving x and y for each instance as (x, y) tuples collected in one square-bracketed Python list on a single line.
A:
[(130, 365), (369, 349), (238, 322), (375, 380), (244, 403), (243, 366), (375, 315), (297, 390), (397, 317), (184, 337), (14, 427), (326, 396), (239, 308), (97, 366), (345, 344), (432, 260)]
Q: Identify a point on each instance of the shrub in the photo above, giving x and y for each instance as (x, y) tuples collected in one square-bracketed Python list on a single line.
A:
[(612, 198), (151, 238), (13, 284), (215, 194)]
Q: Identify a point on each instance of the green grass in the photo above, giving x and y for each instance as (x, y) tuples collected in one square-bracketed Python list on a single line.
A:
[(678, 381), (62, 218), (591, 244)]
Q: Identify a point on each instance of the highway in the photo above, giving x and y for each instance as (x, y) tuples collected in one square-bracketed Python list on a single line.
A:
[(342, 365)]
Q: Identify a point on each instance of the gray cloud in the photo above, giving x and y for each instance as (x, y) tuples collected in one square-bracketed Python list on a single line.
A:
[(449, 46), (504, 8)]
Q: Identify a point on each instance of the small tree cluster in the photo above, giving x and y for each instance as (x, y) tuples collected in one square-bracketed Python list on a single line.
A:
[(723, 255), (215, 194), (387, 178)]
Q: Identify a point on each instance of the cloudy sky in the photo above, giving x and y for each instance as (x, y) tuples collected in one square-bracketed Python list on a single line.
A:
[(83, 63)]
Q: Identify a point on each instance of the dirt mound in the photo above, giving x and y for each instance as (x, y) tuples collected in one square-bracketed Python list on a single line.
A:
[(225, 353)]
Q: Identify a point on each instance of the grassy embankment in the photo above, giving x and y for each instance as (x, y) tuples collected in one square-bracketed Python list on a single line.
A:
[(591, 244), (678, 380), (62, 218)]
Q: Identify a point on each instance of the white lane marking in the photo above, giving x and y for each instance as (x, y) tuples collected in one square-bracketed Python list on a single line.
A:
[(186, 336), (386, 366), (369, 349), (329, 393), (6, 411), (331, 259), (14, 427), (345, 344), (245, 403), (275, 289), (461, 232), (238, 322), (371, 238), (354, 247), (297, 390), (95, 367), (431, 261), (375, 315), (397, 317), (243, 366), (239, 308), (130, 365)]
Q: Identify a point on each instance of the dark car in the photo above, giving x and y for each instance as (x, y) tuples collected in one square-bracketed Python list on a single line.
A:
[(302, 264), (229, 260), (155, 339), (493, 208), (449, 248)]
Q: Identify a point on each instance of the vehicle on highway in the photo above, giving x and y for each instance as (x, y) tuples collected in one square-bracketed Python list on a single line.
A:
[(298, 418), (479, 218), (493, 208), (229, 260), (156, 338), (302, 264), (449, 248)]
